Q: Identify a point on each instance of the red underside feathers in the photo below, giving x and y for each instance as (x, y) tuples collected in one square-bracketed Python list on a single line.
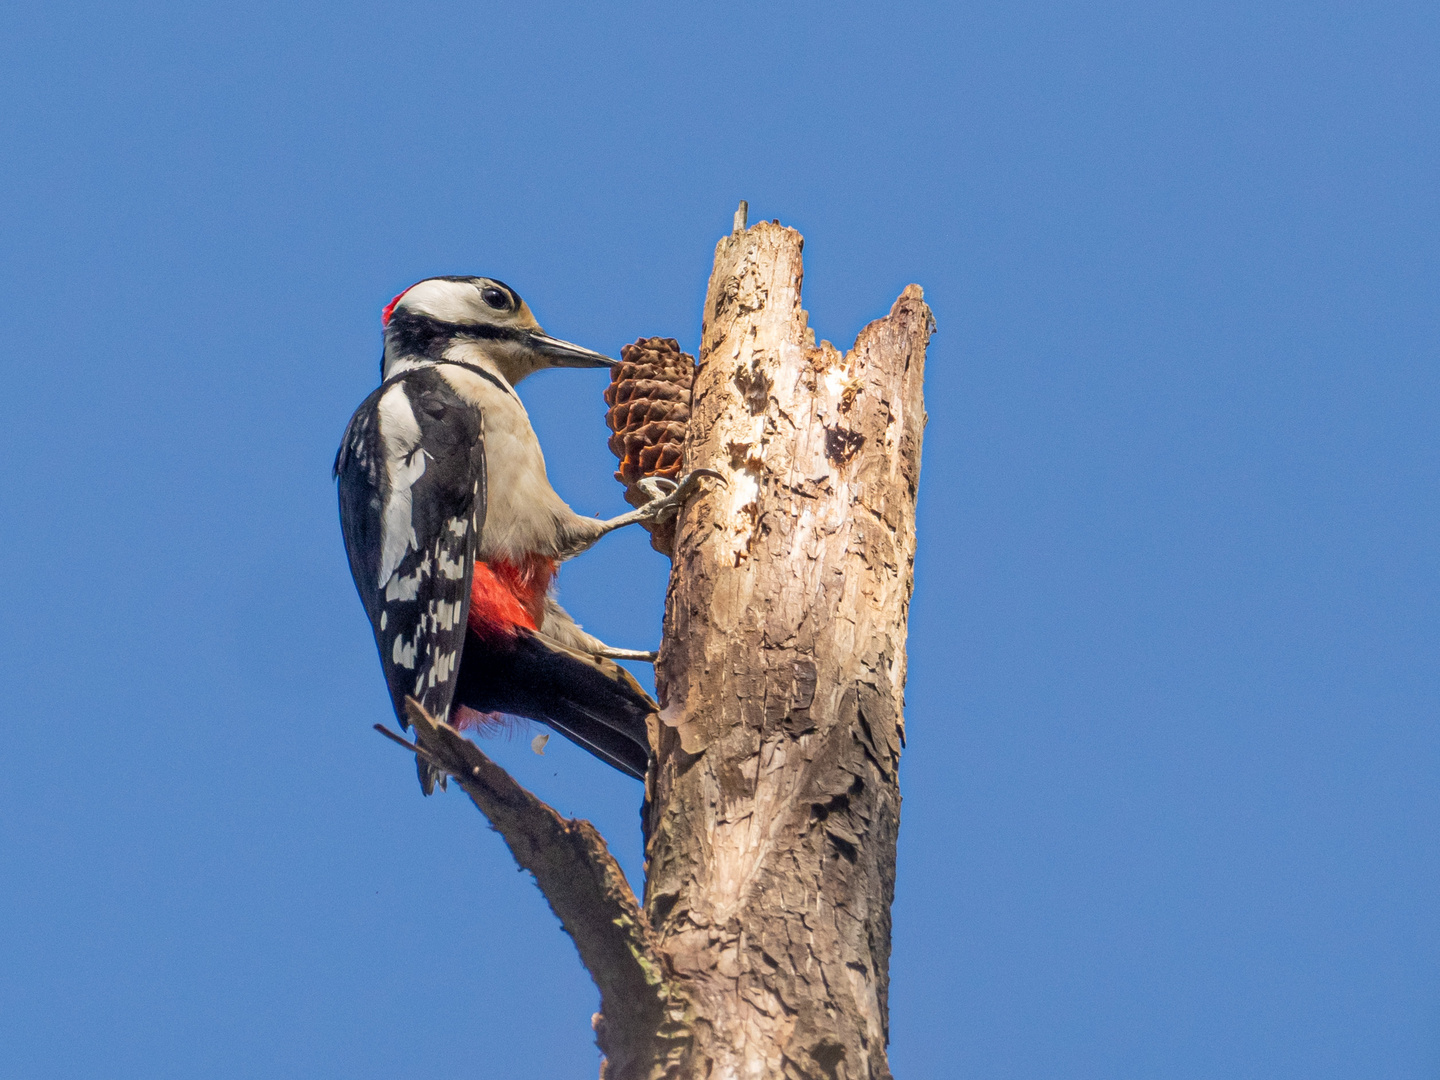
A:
[(505, 597), (488, 723)]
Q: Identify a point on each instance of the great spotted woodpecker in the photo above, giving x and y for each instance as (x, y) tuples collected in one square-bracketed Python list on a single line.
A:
[(454, 533)]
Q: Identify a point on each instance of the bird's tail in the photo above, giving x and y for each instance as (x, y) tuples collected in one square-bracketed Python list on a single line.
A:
[(592, 701)]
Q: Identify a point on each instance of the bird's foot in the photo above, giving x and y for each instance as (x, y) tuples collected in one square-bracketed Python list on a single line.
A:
[(668, 496)]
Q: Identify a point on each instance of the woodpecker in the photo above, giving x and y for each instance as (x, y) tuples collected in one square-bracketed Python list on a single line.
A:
[(454, 533)]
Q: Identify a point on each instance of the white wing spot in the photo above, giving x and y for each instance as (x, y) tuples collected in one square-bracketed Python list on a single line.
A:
[(403, 653), (446, 616), (407, 587), (454, 569)]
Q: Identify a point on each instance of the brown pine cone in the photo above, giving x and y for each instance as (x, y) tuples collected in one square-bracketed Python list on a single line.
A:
[(649, 399)]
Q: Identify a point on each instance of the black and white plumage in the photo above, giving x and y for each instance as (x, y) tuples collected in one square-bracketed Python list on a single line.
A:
[(454, 532), (411, 472)]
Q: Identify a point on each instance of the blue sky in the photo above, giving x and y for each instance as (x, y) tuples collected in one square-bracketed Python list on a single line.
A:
[(1173, 782)]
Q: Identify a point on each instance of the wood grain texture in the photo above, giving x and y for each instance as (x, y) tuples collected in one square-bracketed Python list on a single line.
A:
[(774, 802)]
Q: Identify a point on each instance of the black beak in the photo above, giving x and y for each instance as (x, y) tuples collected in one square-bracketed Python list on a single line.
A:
[(559, 353)]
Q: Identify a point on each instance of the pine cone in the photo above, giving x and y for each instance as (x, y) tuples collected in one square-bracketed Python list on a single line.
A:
[(649, 399)]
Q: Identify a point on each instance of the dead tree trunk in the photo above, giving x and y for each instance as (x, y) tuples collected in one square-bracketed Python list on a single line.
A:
[(773, 804), (776, 802)]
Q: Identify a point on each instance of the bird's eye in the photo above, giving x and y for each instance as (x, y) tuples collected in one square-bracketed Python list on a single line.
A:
[(496, 298)]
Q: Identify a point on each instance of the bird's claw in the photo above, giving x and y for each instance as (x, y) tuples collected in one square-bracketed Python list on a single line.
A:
[(657, 487), (668, 496)]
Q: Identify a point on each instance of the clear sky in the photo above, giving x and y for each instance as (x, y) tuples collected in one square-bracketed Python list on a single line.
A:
[(1173, 781)]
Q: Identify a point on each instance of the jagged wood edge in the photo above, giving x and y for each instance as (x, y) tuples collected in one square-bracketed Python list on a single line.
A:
[(643, 1017)]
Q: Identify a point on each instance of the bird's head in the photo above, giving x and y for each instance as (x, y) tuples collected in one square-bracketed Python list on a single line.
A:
[(474, 320)]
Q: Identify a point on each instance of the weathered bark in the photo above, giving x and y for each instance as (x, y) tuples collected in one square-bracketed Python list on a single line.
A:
[(773, 802), (776, 802)]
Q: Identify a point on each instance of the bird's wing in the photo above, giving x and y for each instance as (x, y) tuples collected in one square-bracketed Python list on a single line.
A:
[(411, 473)]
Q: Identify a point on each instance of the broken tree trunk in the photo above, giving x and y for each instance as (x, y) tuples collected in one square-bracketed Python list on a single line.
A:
[(763, 946), (775, 802)]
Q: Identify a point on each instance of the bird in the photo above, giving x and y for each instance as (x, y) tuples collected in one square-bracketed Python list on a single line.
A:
[(454, 534)]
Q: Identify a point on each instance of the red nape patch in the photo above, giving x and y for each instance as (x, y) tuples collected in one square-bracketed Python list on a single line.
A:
[(505, 597), (390, 308)]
